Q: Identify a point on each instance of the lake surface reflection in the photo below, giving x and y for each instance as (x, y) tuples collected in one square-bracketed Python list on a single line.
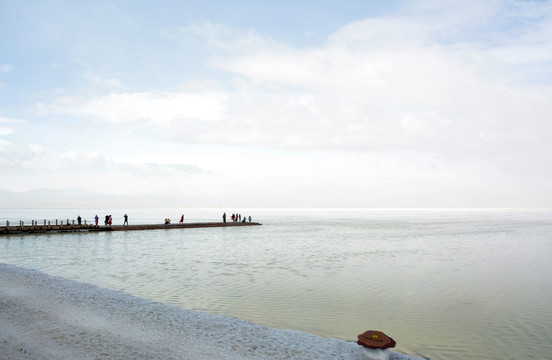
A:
[(445, 284)]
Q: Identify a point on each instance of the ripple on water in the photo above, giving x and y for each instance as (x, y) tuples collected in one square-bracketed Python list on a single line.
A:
[(447, 285)]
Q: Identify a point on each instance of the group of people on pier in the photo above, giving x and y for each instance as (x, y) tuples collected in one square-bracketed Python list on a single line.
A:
[(236, 218), (108, 221), (34, 227)]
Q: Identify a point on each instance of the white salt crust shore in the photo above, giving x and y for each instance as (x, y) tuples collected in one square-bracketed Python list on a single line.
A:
[(47, 317)]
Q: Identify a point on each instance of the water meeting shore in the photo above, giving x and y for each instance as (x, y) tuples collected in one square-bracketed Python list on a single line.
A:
[(47, 317)]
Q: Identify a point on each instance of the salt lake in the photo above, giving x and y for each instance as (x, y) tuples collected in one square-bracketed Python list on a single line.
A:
[(445, 284)]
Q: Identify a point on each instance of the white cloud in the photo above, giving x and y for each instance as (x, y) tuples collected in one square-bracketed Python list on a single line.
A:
[(7, 130), (97, 80), (156, 109), (109, 83), (9, 120), (6, 68), (4, 130), (33, 165), (374, 74), (442, 101), (4, 144), (220, 37), (421, 79), (156, 170)]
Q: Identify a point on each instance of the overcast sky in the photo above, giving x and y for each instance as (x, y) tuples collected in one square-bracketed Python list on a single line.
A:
[(322, 103)]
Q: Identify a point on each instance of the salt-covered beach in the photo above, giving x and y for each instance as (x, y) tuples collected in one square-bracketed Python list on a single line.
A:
[(47, 317)]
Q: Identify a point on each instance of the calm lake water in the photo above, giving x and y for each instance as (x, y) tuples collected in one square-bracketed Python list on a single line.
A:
[(445, 284)]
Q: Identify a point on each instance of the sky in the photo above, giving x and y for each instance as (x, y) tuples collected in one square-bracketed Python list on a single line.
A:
[(326, 103)]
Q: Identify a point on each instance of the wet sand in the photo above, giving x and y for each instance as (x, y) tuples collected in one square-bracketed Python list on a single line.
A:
[(46, 317)]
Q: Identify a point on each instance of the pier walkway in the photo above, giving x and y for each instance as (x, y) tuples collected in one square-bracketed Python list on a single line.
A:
[(45, 229)]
